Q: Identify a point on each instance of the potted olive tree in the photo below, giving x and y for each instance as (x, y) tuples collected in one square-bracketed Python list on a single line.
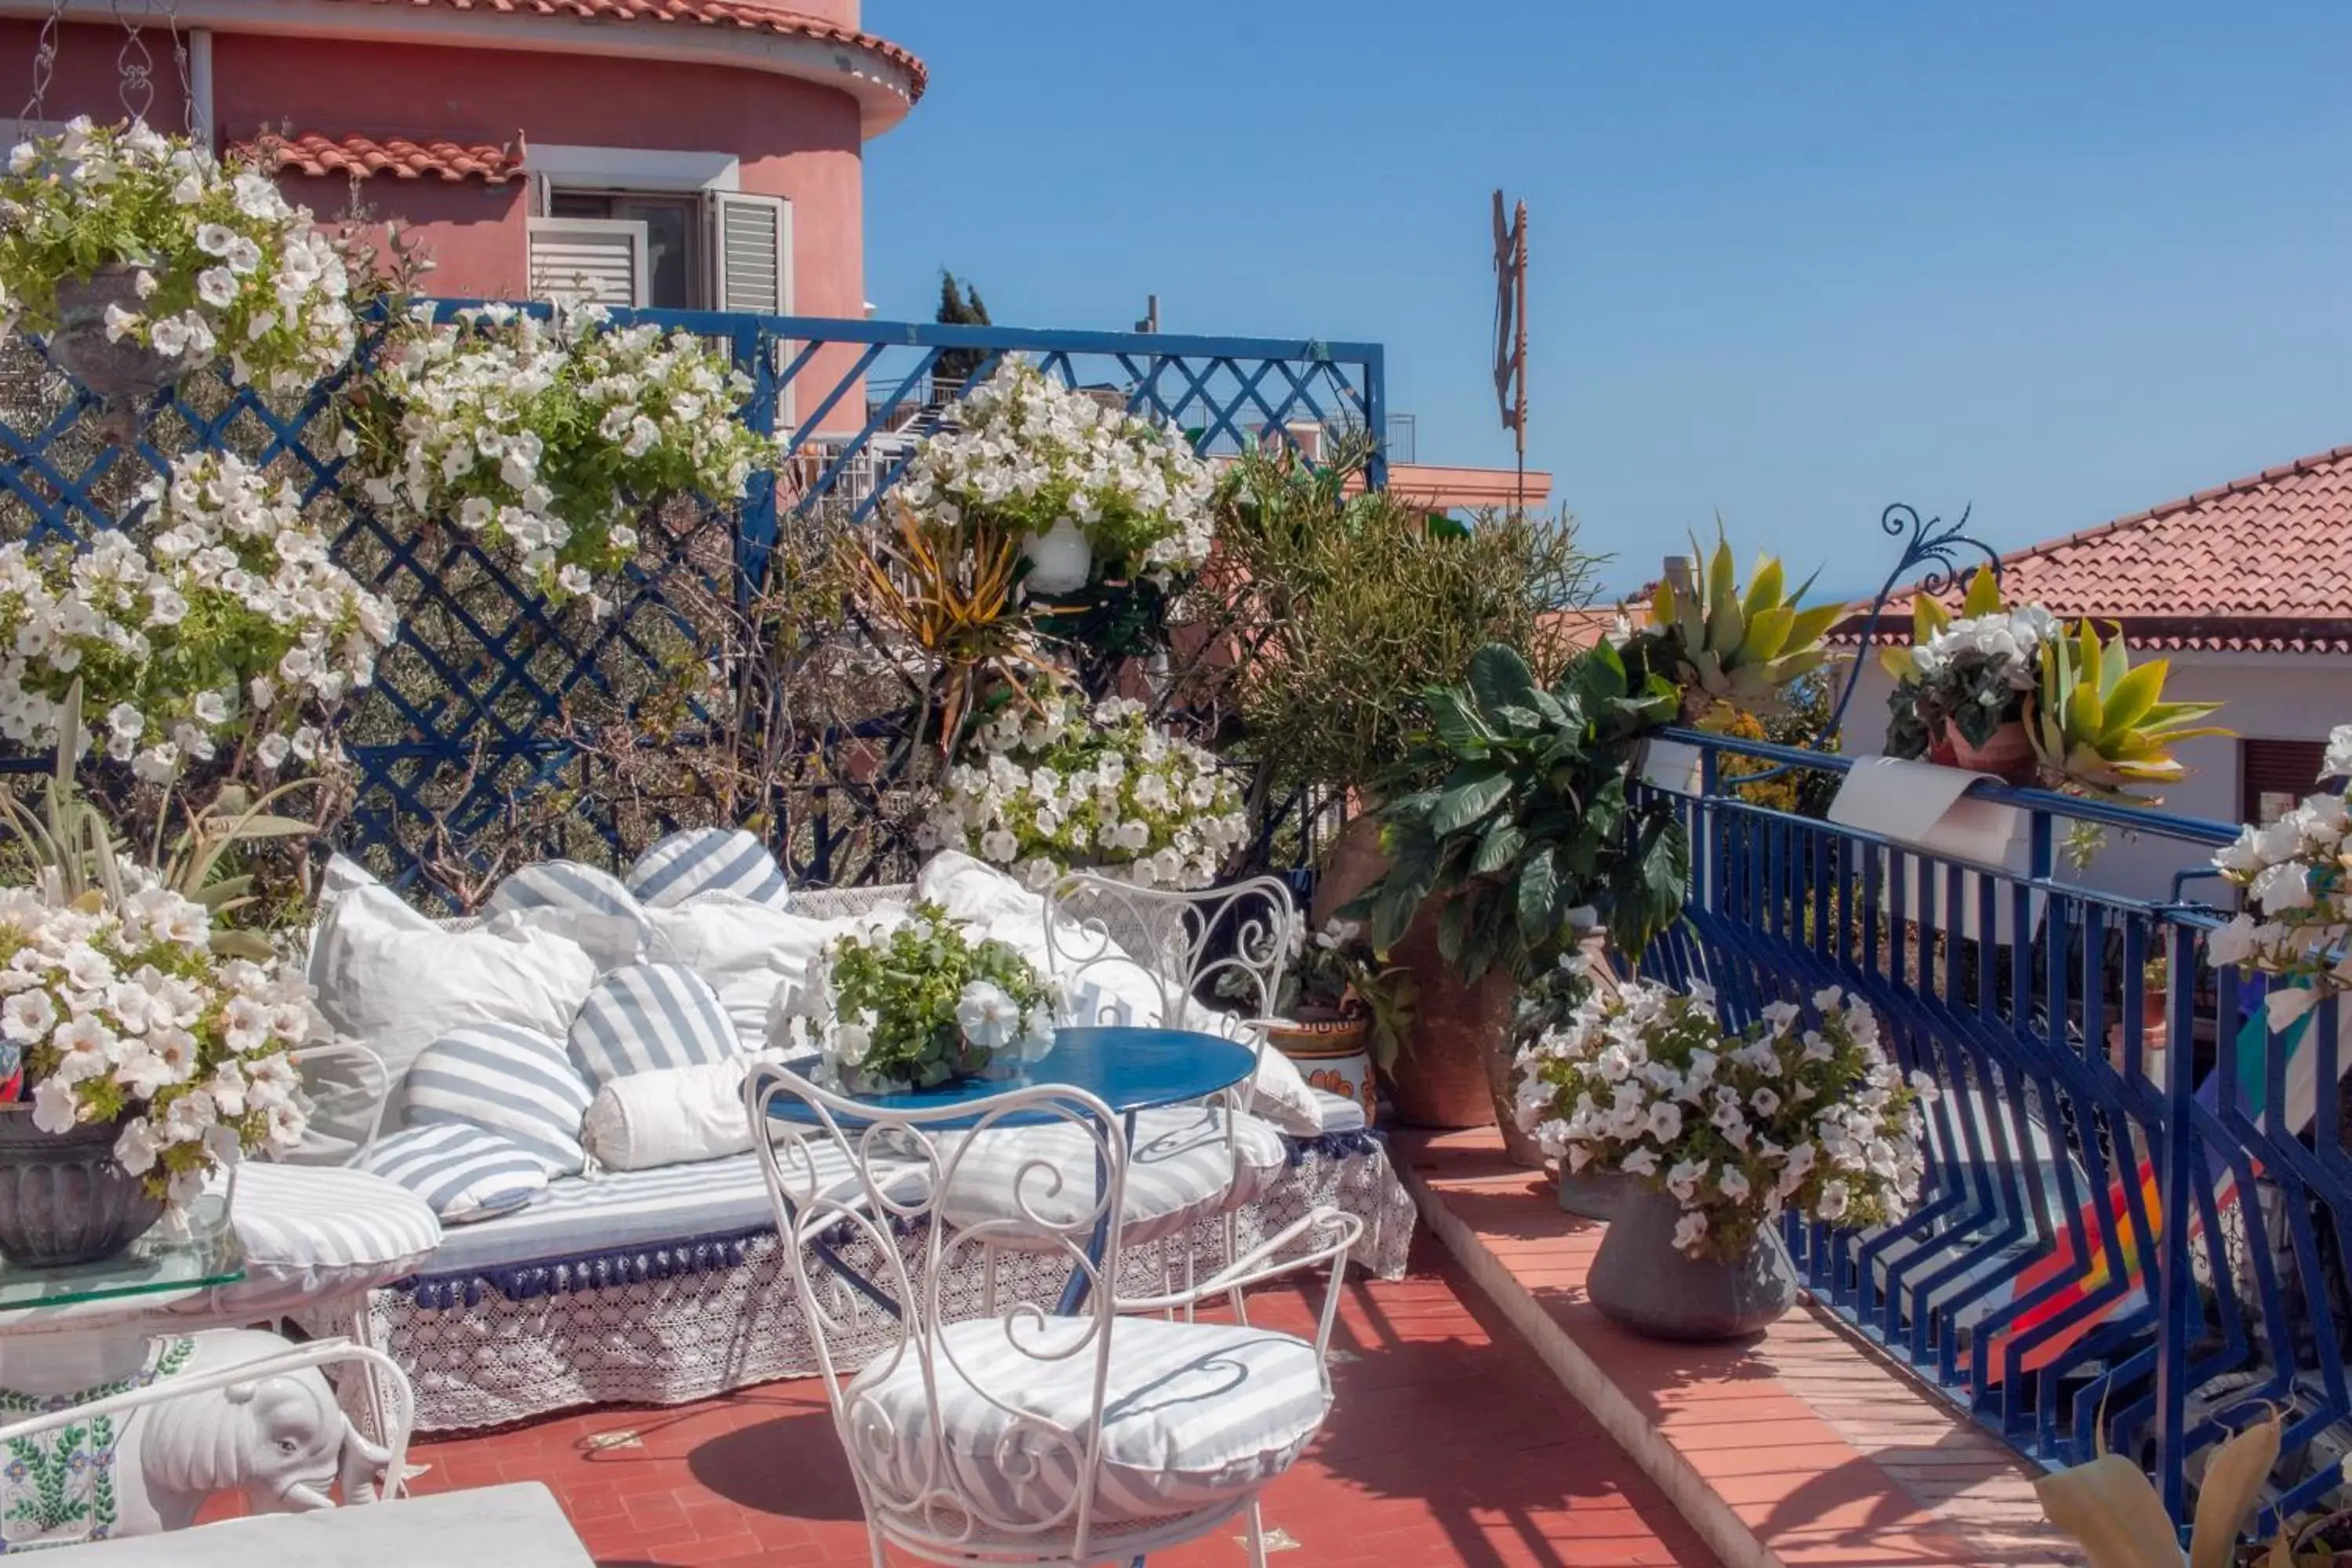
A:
[(1318, 628)]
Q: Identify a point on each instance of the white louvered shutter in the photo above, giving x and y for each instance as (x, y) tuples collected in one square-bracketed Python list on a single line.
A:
[(751, 254), (598, 258), (752, 266)]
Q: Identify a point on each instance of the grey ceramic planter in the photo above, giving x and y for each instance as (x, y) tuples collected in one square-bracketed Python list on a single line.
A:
[(1591, 1194), (63, 1199), (1640, 1281)]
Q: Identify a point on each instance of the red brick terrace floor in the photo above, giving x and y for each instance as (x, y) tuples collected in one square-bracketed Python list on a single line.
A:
[(1451, 1443)]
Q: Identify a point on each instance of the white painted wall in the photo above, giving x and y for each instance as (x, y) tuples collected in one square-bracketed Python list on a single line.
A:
[(2266, 696)]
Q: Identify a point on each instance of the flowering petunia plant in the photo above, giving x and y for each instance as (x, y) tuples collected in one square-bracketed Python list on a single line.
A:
[(1030, 454), (2298, 882), (121, 1013), (925, 1001), (221, 624), (551, 437), (1062, 784), (218, 264), (1741, 1128)]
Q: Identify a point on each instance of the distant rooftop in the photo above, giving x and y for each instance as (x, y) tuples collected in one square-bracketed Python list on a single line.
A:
[(2263, 563)]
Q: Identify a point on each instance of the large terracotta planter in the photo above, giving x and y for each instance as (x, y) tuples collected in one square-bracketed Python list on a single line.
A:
[(1640, 1281), (2007, 754), (63, 1199), (1456, 1071), (1355, 862)]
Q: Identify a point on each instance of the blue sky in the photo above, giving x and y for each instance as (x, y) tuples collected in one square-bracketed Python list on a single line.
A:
[(1790, 262)]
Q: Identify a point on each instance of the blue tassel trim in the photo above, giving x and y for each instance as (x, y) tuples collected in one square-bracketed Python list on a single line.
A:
[(1347, 1145), (584, 1271)]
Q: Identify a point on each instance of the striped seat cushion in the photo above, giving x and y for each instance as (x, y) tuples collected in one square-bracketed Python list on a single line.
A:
[(509, 1079), (709, 860), (1194, 1416), (1181, 1169), (465, 1172), (650, 1016), (312, 1233)]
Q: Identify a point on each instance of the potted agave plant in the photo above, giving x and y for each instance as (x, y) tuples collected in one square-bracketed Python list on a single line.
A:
[(2112, 1510)]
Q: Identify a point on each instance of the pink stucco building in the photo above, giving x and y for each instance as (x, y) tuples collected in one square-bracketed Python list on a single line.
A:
[(692, 153)]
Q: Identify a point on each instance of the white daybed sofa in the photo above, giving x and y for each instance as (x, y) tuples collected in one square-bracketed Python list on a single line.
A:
[(667, 1285)]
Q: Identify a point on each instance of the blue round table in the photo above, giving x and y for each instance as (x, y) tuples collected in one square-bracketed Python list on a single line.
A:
[(1129, 1069)]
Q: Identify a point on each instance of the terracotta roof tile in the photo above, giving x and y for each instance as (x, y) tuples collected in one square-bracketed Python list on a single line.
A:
[(746, 13), (2260, 565), (364, 157)]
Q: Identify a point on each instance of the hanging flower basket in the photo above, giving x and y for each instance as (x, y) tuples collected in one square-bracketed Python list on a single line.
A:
[(123, 373)]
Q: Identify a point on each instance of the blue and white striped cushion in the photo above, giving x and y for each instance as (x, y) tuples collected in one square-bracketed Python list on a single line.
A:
[(650, 1016), (1192, 1414), (465, 1172), (569, 885), (509, 1079), (709, 860)]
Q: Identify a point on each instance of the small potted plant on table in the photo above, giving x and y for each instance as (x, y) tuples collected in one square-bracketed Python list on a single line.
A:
[(921, 1003)]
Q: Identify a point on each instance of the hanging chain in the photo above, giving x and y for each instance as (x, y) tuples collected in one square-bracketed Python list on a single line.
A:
[(179, 59), (45, 61), (133, 64)]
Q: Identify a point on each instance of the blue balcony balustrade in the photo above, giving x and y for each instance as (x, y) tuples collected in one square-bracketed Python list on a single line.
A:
[(500, 727), (2138, 1212)]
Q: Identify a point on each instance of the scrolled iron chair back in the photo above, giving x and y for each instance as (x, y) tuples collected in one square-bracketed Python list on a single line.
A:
[(846, 1179), (1228, 948)]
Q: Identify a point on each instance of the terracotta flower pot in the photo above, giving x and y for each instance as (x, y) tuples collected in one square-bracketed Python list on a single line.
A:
[(1456, 1070), (1333, 1051), (63, 1199), (2007, 754)]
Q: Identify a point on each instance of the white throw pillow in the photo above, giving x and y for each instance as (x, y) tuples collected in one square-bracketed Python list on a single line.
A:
[(396, 982), (669, 1117), (756, 957), (519, 1083), (647, 1017), (1115, 991)]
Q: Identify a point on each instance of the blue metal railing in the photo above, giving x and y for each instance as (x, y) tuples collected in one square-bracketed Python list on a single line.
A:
[(2137, 1213), (480, 708)]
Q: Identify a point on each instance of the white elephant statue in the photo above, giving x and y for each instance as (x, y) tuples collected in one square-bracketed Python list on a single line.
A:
[(282, 1439)]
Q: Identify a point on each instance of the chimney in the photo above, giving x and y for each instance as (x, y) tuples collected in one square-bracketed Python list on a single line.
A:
[(1678, 575)]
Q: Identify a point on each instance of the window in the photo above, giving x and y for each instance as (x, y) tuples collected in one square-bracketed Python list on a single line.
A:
[(2275, 776), (673, 226), (678, 250)]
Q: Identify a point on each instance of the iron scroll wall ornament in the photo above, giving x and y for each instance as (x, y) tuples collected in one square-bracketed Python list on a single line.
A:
[(1932, 552)]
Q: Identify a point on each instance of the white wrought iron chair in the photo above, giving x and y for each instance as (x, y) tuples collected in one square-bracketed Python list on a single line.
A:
[(1028, 1436), (1155, 955)]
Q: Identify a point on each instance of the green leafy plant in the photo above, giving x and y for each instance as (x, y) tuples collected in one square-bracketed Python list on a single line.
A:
[(1730, 645), (1529, 837), (922, 1003), (1330, 610), (2103, 724), (75, 858), (2112, 1510), (1335, 970)]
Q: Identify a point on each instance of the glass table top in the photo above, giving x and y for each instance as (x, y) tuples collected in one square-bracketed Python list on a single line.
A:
[(201, 1253)]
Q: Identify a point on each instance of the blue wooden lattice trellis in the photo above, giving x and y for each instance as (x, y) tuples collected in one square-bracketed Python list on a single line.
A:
[(496, 722)]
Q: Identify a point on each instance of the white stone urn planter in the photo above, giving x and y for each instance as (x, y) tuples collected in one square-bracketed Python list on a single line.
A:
[(1060, 560)]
